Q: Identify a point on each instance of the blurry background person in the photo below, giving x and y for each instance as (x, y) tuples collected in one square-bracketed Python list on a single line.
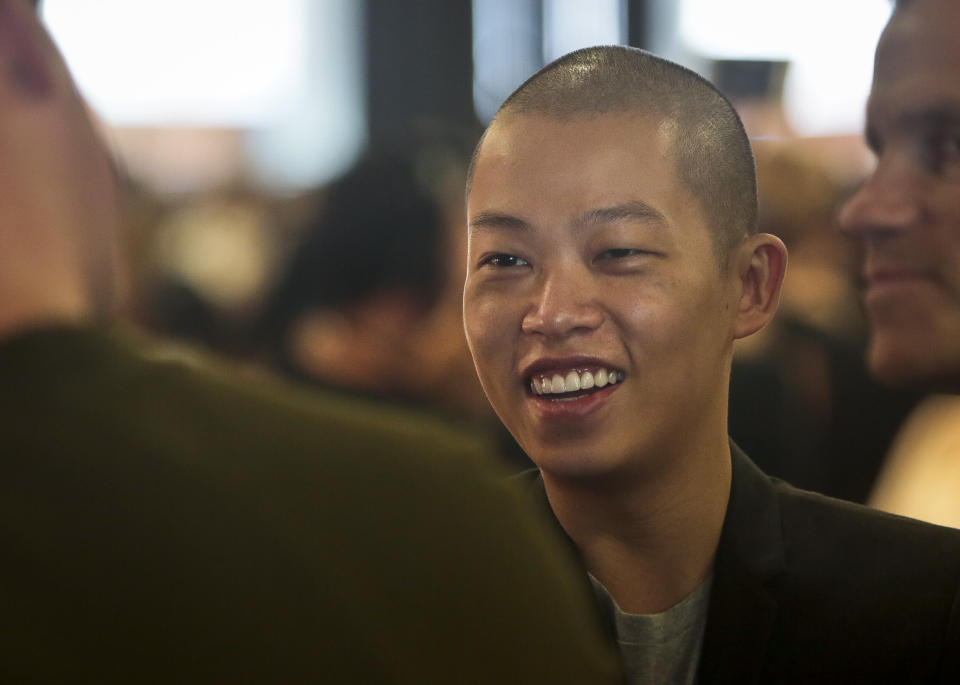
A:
[(369, 300), (906, 215), (801, 399)]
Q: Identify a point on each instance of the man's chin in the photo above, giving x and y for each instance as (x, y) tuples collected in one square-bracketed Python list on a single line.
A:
[(918, 366)]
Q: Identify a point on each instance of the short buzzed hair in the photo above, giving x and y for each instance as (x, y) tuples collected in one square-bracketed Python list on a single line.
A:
[(711, 151)]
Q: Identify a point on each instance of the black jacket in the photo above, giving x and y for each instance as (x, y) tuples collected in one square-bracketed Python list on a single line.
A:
[(809, 589)]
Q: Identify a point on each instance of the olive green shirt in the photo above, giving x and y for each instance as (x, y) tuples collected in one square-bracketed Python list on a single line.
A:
[(164, 518)]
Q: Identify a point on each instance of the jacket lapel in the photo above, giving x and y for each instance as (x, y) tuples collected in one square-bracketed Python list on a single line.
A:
[(749, 566), (748, 569)]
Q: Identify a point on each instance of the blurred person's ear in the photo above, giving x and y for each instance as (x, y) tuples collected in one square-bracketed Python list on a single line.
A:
[(759, 262)]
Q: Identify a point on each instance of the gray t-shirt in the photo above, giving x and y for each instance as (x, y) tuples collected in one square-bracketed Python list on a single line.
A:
[(661, 648)]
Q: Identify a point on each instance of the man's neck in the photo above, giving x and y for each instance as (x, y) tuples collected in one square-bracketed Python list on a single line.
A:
[(651, 542)]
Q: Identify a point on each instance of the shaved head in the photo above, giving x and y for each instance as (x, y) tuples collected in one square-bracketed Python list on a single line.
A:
[(711, 152)]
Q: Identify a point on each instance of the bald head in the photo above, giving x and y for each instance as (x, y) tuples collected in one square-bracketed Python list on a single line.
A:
[(711, 152)]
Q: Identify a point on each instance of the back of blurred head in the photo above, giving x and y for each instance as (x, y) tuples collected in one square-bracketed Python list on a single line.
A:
[(370, 298)]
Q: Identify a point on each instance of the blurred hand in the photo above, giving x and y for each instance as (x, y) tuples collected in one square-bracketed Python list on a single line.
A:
[(59, 206)]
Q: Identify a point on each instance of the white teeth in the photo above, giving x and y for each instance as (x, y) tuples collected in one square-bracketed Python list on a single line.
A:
[(556, 384)]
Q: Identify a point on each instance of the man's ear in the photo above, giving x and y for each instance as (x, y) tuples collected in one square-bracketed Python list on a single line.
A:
[(760, 262)]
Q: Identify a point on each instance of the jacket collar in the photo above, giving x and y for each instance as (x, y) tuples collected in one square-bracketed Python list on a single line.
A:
[(749, 566)]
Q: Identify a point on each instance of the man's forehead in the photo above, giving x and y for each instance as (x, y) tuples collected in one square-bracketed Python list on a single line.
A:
[(917, 69), (922, 34), (527, 123), (513, 135)]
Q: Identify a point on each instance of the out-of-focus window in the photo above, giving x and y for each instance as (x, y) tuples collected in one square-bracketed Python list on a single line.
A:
[(506, 50), (514, 38), (572, 24), (829, 46), (286, 76)]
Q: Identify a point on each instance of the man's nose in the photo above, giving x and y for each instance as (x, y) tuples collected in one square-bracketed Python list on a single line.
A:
[(888, 202), (564, 303)]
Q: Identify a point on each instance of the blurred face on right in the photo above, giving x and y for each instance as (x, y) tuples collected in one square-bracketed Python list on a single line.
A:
[(907, 213)]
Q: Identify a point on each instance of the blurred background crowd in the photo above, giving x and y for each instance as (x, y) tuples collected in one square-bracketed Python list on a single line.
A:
[(294, 173)]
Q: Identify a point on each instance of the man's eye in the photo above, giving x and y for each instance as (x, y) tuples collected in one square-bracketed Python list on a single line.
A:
[(950, 149), (942, 151), (619, 253), (504, 260)]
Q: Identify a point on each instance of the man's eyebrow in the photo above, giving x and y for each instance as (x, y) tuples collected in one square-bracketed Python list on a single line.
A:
[(634, 210), (491, 220), (914, 118)]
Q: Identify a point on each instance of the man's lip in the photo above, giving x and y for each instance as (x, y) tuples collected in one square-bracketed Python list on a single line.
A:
[(575, 408), (881, 276), (889, 287)]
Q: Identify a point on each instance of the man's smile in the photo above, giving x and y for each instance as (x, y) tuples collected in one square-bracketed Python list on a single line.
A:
[(573, 383), (570, 387)]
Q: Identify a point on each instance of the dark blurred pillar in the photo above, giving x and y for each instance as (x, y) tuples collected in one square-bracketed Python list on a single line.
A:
[(637, 24), (419, 64)]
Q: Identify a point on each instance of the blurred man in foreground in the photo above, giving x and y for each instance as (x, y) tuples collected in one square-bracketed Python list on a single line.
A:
[(171, 523), (613, 261)]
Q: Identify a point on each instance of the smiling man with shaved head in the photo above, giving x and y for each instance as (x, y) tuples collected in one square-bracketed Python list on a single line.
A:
[(613, 262)]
